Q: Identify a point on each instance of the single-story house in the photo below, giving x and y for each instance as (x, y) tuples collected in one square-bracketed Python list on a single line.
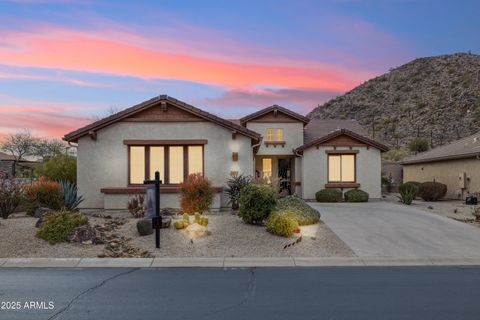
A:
[(456, 164), (116, 154)]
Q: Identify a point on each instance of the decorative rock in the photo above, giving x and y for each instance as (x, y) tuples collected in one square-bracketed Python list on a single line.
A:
[(41, 211), (144, 227), (86, 235), (195, 231)]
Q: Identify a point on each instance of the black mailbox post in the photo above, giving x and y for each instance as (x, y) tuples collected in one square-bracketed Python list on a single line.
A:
[(157, 220)]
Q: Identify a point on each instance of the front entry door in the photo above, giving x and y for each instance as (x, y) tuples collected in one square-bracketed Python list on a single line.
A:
[(284, 174)]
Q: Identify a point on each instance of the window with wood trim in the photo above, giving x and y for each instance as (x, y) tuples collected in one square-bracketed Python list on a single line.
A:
[(270, 135), (341, 168), (279, 135), (173, 162)]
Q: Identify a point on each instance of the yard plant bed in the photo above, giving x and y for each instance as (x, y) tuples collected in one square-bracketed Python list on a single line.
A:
[(228, 237)]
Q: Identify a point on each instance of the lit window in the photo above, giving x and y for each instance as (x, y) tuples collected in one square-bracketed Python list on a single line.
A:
[(146, 160), (176, 165), (267, 167), (195, 159), (270, 134), (341, 168), (279, 134), (157, 162), (137, 164)]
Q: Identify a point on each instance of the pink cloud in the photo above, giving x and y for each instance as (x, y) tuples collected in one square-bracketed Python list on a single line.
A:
[(97, 52)]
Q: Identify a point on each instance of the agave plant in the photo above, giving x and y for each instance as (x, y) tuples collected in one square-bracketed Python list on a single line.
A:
[(70, 197), (234, 186)]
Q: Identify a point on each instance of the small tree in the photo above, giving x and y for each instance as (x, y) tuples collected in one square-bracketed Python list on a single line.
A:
[(59, 168), (46, 148), (419, 145)]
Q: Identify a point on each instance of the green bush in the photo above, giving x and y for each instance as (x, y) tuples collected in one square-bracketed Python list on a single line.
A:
[(58, 226), (303, 213), (419, 145), (329, 195), (432, 191), (282, 223), (356, 195), (408, 191), (43, 193), (256, 203), (59, 168), (408, 186)]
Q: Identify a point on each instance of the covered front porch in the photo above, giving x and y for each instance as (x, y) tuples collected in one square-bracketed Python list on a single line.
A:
[(279, 170)]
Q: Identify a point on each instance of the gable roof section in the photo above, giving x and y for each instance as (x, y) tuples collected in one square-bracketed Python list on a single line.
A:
[(274, 108), (340, 132), (74, 135), (464, 148), (318, 128)]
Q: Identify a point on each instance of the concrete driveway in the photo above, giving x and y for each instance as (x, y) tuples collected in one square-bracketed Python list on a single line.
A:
[(389, 230)]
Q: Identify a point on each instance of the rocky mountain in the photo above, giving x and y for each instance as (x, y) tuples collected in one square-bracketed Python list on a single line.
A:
[(437, 98)]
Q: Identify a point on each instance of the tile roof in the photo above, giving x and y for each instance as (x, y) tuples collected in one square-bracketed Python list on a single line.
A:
[(464, 148), (74, 135), (5, 156), (286, 111), (318, 128)]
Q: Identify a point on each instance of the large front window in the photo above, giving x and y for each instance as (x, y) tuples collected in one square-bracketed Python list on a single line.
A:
[(173, 162), (341, 168)]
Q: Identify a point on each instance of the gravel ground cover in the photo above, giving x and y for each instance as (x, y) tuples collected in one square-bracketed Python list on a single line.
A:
[(229, 237)]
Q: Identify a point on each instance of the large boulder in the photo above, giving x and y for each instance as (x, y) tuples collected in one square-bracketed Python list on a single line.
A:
[(144, 227), (87, 235), (195, 231)]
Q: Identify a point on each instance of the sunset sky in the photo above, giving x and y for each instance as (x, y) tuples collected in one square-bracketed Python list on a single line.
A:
[(64, 62)]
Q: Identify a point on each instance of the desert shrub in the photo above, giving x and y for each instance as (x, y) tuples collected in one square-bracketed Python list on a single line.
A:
[(419, 145), (58, 226), (234, 187), (329, 195), (43, 193), (356, 195), (71, 199), (432, 191), (59, 168), (395, 154), (408, 185), (136, 206), (282, 223), (11, 194), (408, 191), (387, 183), (256, 203), (180, 224), (196, 194), (303, 213)]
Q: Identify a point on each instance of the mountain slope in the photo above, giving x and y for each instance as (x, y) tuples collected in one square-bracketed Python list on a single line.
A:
[(437, 98)]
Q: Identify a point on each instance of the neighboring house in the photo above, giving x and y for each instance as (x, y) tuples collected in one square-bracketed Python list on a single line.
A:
[(7, 163), (456, 164), (116, 154)]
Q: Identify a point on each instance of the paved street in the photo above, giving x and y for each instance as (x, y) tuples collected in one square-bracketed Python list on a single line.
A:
[(245, 293), (382, 229)]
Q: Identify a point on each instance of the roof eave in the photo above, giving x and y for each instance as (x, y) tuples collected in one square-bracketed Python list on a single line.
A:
[(444, 158)]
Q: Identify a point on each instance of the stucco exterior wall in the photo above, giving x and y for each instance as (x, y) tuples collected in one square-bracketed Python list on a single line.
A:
[(315, 170), (292, 134), (447, 172), (103, 162)]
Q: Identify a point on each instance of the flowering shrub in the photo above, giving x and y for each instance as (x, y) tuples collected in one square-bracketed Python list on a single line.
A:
[(43, 193), (196, 194)]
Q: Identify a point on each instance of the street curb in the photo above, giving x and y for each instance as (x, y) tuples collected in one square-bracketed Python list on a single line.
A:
[(231, 262)]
